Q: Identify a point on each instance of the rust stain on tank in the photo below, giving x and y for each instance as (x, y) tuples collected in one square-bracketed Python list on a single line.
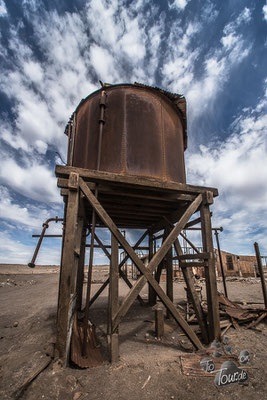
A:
[(144, 132)]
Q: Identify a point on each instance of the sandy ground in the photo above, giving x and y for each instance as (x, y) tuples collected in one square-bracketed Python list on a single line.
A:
[(148, 368)]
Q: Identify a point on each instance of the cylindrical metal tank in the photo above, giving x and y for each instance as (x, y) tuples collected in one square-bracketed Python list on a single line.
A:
[(144, 132)]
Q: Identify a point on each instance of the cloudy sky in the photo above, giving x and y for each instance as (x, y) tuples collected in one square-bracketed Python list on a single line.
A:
[(54, 53)]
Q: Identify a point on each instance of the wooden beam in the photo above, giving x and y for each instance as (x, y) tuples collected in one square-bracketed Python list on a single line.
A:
[(80, 272), (152, 265), (169, 275), (199, 256), (210, 274), (150, 255), (189, 280), (150, 183), (66, 299), (126, 280), (107, 189), (114, 299), (192, 223), (193, 264)]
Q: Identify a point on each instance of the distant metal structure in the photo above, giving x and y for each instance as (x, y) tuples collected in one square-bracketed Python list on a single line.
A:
[(126, 170)]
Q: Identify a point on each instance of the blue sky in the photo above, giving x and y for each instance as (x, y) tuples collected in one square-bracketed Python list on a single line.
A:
[(53, 54)]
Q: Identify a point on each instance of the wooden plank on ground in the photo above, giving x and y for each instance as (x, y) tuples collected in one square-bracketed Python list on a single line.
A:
[(190, 363)]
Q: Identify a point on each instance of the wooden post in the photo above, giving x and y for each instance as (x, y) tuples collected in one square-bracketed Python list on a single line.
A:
[(80, 273), (169, 276), (114, 299), (221, 263), (263, 285), (67, 298), (151, 292), (210, 273), (159, 322)]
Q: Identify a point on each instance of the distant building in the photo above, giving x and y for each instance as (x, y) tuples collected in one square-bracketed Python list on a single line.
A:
[(234, 265)]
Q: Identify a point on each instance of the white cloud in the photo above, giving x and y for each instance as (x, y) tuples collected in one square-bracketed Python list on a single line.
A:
[(179, 4), (16, 252), (34, 180), (3, 10), (264, 10), (238, 169), (29, 216), (103, 62)]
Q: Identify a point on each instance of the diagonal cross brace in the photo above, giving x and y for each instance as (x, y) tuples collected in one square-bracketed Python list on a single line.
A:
[(147, 272), (97, 294)]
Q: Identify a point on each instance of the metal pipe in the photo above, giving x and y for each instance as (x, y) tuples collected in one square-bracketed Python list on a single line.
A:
[(45, 226), (91, 256), (220, 258)]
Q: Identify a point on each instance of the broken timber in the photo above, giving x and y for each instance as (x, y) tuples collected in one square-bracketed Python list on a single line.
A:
[(138, 203)]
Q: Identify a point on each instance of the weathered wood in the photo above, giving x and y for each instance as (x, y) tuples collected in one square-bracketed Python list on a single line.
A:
[(102, 288), (258, 320), (193, 264), (152, 265), (151, 183), (151, 297), (169, 275), (159, 322), (157, 274), (221, 263), (210, 275), (263, 284), (189, 280), (66, 297), (110, 191), (80, 270), (114, 299), (156, 259), (199, 256), (109, 247), (192, 223)]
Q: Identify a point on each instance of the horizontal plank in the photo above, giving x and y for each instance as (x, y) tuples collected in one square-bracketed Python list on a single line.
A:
[(199, 256), (136, 193), (150, 183), (193, 264)]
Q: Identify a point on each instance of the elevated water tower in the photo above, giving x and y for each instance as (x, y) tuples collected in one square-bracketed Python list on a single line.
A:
[(126, 170)]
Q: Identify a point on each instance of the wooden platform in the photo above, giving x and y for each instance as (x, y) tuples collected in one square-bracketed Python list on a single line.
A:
[(134, 202)]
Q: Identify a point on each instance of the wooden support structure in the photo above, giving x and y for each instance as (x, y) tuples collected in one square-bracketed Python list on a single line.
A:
[(139, 203), (114, 300), (210, 273)]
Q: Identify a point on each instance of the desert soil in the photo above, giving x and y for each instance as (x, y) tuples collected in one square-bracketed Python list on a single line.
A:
[(148, 368)]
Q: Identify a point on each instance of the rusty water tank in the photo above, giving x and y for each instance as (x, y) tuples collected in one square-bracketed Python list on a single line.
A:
[(144, 132)]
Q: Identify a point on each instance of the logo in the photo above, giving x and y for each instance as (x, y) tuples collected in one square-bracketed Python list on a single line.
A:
[(230, 373)]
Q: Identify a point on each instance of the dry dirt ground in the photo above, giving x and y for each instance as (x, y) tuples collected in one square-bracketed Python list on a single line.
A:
[(148, 368)]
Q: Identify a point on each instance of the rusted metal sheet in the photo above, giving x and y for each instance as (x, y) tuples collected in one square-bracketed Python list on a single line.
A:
[(144, 132)]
